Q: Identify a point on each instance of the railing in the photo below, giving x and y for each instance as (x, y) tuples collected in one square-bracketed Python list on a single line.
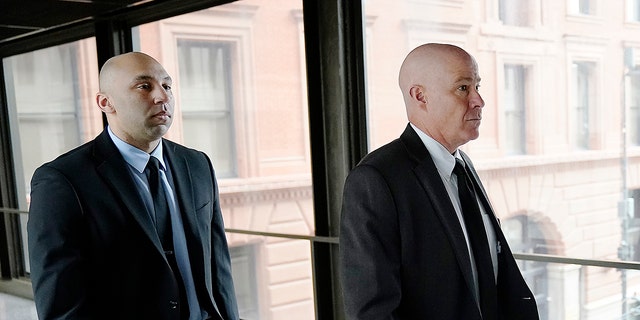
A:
[(616, 264)]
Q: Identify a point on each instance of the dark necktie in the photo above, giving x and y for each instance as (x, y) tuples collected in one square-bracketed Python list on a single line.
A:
[(478, 240), (160, 204), (163, 227)]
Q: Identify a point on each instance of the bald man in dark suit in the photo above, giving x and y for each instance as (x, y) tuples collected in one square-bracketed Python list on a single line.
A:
[(406, 249), (94, 241)]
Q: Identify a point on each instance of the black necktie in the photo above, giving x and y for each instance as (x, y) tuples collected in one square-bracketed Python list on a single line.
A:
[(478, 240), (160, 204), (163, 227)]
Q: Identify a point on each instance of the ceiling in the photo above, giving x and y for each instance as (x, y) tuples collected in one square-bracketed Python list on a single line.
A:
[(21, 18)]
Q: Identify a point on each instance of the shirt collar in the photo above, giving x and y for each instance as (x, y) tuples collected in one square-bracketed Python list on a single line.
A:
[(444, 161), (135, 157)]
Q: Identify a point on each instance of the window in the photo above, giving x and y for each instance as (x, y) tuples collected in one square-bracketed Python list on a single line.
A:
[(206, 101), (514, 108), (583, 7), (243, 266), (48, 122), (567, 198), (51, 108), (633, 10), (582, 89), (515, 13), (633, 118)]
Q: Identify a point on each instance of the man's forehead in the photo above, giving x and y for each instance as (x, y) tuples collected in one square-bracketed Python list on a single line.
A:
[(149, 77), (468, 78)]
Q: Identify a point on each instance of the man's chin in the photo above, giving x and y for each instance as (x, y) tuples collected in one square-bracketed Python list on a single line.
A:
[(474, 134), (159, 131)]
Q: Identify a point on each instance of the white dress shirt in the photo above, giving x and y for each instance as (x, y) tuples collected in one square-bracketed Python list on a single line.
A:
[(445, 162)]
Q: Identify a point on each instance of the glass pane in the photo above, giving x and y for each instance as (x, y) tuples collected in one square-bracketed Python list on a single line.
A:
[(514, 108), (582, 84), (206, 104), (514, 13), (566, 291), (559, 172), (581, 7), (633, 100), (50, 94), (242, 100), (272, 277)]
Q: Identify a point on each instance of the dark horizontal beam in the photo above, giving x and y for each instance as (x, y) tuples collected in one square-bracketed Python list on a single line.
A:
[(84, 28)]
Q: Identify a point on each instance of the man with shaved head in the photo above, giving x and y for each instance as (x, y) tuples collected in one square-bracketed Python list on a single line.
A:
[(419, 238), (128, 225)]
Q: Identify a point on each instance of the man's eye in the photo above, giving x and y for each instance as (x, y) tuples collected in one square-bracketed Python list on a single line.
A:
[(144, 86), (463, 88), (167, 87)]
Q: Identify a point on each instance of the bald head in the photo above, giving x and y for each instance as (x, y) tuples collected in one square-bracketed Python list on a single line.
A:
[(424, 64), (115, 66), (439, 84)]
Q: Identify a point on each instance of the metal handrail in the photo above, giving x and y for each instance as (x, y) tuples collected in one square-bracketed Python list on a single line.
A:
[(619, 264), (632, 265), (14, 211), (320, 239)]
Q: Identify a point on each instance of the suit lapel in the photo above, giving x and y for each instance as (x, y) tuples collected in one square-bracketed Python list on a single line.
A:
[(427, 173), (113, 169), (181, 175), (193, 228), (184, 193)]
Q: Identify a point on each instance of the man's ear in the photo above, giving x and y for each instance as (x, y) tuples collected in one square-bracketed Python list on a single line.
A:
[(103, 103), (417, 93)]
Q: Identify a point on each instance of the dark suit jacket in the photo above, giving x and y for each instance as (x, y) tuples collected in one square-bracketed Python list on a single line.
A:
[(93, 248), (403, 254)]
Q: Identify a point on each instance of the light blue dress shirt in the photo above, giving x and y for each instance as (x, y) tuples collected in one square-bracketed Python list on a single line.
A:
[(137, 160)]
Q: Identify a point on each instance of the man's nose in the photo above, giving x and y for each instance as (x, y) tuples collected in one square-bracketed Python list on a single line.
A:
[(476, 100), (162, 95)]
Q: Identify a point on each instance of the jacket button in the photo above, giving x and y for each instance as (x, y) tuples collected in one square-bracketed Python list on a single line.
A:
[(173, 304)]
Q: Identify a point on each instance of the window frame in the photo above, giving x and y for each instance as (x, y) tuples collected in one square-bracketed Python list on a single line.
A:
[(227, 113), (337, 115)]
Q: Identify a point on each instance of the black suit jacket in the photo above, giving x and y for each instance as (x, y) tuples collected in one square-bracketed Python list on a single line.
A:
[(403, 253), (93, 248)]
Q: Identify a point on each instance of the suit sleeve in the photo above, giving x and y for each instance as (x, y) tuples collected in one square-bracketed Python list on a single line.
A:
[(224, 292), (55, 237), (369, 247)]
